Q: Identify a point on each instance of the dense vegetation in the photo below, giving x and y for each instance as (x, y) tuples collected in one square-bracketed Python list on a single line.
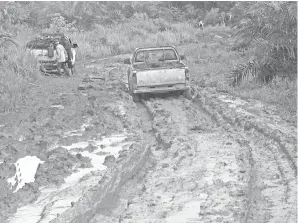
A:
[(251, 44), (86, 15)]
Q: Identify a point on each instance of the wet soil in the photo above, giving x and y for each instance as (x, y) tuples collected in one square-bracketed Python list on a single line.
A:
[(104, 158)]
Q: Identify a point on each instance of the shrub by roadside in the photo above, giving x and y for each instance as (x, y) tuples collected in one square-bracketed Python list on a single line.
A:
[(279, 93), (212, 60)]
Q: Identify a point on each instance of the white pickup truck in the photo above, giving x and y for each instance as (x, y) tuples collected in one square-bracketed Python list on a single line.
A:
[(157, 70), (43, 50)]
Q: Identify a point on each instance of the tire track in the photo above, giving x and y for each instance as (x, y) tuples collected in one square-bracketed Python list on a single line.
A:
[(272, 184), (181, 168)]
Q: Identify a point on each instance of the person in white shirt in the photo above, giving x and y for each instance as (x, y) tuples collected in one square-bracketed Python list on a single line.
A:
[(61, 58), (201, 25)]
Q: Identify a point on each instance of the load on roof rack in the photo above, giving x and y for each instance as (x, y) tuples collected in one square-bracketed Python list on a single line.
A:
[(52, 34)]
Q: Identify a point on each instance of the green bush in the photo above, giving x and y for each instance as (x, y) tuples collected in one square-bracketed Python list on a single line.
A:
[(60, 24), (212, 17)]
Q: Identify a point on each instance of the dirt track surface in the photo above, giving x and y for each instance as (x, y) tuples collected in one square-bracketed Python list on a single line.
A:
[(102, 158)]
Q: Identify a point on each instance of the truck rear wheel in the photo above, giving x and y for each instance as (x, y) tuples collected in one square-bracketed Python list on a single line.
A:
[(187, 94), (136, 97), (42, 68)]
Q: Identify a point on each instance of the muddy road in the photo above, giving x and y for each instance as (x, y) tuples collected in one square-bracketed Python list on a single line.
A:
[(80, 150)]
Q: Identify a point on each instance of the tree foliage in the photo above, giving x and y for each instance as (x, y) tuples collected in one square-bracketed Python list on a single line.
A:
[(6, 40), (88, 14), (270, 30)]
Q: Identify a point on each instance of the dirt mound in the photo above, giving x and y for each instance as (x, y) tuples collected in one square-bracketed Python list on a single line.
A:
[(58, 165), (7, 170)]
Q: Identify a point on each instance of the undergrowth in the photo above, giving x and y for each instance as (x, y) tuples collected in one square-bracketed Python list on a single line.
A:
[(281, 94), (210, 62), (124, 38), (18, 69)]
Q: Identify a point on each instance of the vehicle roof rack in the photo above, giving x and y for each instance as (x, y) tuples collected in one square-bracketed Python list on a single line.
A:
[(52, 34), (165, 46)]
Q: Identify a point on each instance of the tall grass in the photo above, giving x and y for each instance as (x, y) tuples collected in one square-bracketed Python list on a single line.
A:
[(210, 56), (124, 38), (17, 70)]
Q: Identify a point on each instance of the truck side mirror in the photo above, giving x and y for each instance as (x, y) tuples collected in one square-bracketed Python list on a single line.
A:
[(127, 61), (182, 57)]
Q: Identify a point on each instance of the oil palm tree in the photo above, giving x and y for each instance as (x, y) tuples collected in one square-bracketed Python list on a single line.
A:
[(270, 30), (7, 39)]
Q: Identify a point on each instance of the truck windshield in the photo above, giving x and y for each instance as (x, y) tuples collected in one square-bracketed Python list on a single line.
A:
[(155, 55)]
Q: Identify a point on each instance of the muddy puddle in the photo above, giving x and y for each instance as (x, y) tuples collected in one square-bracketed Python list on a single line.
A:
[(54, 200)]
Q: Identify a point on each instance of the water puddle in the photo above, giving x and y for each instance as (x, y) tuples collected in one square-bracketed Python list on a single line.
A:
[(78, 132), (236, 104), (56, 200), (57, 106), (232, 103), (25, 171), (189, 214)]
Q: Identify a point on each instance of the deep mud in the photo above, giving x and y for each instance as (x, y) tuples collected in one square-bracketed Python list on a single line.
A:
[(96, 156)]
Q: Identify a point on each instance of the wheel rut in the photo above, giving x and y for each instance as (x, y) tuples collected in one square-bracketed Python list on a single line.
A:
[(272, 181), (188, 169)]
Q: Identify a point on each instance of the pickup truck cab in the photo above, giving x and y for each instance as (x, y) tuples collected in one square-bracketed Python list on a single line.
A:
[(157, 70)]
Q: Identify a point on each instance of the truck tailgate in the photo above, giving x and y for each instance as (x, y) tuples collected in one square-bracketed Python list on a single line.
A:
[(160, 77)]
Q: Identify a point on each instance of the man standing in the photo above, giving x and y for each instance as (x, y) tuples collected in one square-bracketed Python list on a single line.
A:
[(61, 59), (66, 43), (71, 63), (201, 25)]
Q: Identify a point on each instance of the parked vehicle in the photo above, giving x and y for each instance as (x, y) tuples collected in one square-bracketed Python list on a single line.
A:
[(157, 70), (43, 50)]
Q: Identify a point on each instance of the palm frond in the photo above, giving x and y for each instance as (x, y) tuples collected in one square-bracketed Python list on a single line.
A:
[(7, 39), (271, 30)]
